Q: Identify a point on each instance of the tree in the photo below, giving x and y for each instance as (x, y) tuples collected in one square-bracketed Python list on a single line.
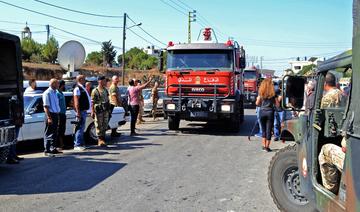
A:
[(306, 70), (30, 47), (94, 58), (136, 58), (50, 50), (108, 53)]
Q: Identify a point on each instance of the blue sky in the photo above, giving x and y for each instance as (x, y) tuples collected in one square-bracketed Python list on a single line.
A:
[(274, 29)]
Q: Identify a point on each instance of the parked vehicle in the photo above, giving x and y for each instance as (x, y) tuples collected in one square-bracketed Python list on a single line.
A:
[(34, 125), (148, 104), (41, 85), (11, 98), (204, 82), (251, 79)]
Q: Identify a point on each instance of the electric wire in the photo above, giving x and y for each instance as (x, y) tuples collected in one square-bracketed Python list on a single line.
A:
[(59, 18), (77, 11)]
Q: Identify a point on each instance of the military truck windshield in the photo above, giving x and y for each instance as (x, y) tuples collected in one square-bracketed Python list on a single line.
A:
[(200, 59), (8, 64), (249, 75)]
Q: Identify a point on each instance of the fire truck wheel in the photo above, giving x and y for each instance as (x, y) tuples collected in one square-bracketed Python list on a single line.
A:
[(284, 181), (173, 122), (4, 151)]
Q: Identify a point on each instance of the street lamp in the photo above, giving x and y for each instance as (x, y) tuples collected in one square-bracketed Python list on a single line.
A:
[(123, 47)]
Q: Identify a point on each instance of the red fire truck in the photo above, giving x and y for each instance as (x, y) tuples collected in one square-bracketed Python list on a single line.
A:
[(252, 77), (204, 82)]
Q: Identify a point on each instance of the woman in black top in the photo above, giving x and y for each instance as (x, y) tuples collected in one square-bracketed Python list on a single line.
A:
[(267, 101)]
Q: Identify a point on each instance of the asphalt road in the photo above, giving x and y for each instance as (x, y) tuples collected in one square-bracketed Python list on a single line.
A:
[(200, 168)]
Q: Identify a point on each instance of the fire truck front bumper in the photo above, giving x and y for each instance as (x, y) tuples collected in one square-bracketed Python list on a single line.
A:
[(197, 109)]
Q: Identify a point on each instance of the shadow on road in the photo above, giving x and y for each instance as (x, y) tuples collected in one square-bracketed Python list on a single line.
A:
[(53, 175)]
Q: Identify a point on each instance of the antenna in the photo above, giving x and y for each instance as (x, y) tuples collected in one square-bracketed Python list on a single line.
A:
[(71, 57)]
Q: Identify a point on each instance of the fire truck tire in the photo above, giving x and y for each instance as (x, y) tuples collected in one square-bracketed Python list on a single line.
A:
[(173, 122), (284, 182), (4, 151), (241, 112)]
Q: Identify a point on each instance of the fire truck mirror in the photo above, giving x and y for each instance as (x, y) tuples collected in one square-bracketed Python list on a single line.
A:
[(161, 61), (242, 62), (293, 91)]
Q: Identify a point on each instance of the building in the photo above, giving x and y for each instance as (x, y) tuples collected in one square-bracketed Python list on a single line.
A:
[(150, 50), (298, 64)]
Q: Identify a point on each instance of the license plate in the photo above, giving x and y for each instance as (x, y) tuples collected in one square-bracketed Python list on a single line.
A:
[(198, 114)]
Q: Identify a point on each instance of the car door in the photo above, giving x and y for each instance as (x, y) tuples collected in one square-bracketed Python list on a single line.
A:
[(70, 115), (34, 124)]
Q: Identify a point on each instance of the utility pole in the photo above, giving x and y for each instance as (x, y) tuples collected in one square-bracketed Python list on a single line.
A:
[(123, 51), (192, 18), (48, 33)]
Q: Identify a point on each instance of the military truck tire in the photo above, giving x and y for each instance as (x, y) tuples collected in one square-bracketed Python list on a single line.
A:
[(283, 181), (173, 122), (4, 151)]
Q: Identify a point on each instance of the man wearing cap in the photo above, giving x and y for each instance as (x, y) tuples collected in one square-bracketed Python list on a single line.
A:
[(82, 103), (100, 109)]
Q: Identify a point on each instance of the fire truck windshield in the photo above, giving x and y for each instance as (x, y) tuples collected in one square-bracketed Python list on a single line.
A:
[(200, 59), (249, 75)]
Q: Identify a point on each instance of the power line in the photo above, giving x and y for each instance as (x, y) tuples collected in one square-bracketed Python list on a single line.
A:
[(147, 32), (77, 11), (144, 39), (59, 18), (82, 37), (182, 12), (21, 23)]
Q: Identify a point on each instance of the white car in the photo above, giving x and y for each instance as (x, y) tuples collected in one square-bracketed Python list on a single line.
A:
[(148, 104), (34, 125)]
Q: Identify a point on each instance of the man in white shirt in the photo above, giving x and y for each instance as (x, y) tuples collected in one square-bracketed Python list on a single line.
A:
[(52, 110)]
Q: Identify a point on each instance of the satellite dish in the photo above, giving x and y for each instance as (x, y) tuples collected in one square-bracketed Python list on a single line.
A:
[(71, 55)]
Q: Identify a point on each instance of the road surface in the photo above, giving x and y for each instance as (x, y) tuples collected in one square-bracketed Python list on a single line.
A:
[(199, 168)]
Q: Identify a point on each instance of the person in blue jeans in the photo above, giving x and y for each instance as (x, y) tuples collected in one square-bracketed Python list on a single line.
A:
[(82, 103), (259, 134)]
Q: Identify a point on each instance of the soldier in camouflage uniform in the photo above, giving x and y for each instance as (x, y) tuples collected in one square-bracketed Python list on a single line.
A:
[(331, 157), (332, 98), (331, 160), (155, 99), (100, 109)]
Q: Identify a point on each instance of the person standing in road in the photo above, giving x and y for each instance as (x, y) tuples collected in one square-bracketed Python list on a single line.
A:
[(115, 100), (62, 115), (267, 101), (100, 109), (88, 87), (82, 103), (278, 114), (155, 99), (52, 110), (134, 102), (140, 119)]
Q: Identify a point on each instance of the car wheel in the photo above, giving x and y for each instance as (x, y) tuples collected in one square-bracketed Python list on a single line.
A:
[(90, 135)]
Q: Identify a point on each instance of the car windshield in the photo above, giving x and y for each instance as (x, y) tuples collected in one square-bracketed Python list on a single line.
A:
[(123, 90), (249, 75), (200, 59), (147, 94), (27, 101)]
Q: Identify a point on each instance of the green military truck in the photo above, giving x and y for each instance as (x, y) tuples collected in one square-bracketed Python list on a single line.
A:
[(11, 88), (294, 175)]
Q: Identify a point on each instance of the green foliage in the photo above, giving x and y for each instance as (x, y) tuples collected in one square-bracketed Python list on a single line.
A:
[(306, 70), (136, 58), (50, 50), (30, 47), (94, 58), (36, 58), (108, 53)]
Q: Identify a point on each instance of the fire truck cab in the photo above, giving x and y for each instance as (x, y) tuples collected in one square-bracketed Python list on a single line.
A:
[(204, 82)]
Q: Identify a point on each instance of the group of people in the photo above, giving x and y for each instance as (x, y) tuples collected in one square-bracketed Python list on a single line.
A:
[(99, 101)]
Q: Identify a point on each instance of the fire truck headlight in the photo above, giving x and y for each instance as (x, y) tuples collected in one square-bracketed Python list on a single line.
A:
[(225, 108), (170, 106)]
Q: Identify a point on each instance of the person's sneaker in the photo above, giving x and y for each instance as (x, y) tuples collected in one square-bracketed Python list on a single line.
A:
[(276, 139), (79, 148), (258, 135), (49, 154), (57, 152), (268, 149), (263, 149), (12, 161)]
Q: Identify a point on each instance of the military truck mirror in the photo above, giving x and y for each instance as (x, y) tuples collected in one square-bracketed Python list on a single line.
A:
[(293, 92), (161, 61)]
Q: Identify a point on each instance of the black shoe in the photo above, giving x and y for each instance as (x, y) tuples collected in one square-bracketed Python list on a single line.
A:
[(276, 139), (19, 158), (12, 161), (115, 134), (268, 149), (55, 151), (133, 134), (263, 148)]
